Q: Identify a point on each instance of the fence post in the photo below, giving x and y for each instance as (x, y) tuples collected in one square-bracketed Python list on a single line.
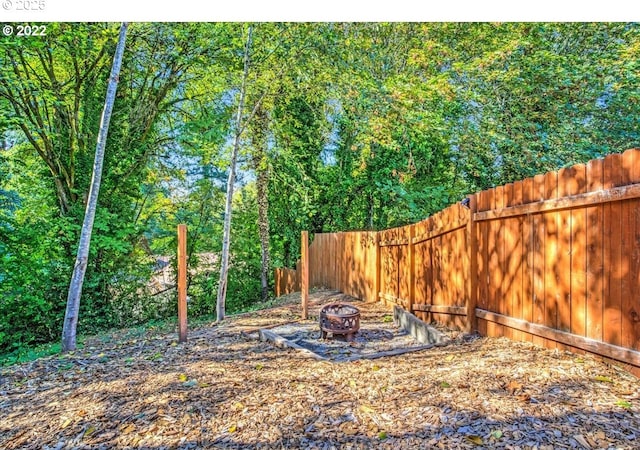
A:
[(304, 273), (378, 284), (472, 252), (412, 268), (182, 283)]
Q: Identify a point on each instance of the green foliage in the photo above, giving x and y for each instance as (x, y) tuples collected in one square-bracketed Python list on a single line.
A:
[(244, 287)]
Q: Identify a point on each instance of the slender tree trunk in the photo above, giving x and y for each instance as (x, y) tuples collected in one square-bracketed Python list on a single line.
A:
[(226, 237), (262, 186), (75, 288)]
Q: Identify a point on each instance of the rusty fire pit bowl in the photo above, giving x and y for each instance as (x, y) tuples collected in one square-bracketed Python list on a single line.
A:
[(339, 319)]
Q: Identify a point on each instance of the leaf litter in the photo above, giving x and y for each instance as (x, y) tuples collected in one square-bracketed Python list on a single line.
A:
[(226, 389)]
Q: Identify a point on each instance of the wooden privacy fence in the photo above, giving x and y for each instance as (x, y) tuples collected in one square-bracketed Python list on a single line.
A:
[(553, 259)]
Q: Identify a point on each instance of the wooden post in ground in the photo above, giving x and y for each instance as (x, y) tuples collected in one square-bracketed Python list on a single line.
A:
[(472, 254), (378, 282), (412, 268), (182, 283), (304, 273)]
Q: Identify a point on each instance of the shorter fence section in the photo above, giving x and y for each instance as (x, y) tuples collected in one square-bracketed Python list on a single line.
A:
[(286, 281)]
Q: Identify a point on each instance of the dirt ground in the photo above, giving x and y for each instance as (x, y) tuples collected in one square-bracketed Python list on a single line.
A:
[(226, 389)]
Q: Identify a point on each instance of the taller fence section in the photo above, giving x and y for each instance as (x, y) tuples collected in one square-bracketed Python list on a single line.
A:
[(553, 259), (558, 258)]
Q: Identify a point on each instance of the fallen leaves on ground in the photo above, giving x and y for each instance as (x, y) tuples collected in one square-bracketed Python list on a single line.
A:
[(225, 389)]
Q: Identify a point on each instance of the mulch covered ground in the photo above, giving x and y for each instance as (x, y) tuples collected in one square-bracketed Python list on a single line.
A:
[(226, 389)]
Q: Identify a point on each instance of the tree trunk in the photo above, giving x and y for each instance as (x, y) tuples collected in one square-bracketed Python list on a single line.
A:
[(226, 237), (262, 186), (75, 288), (260, 166)]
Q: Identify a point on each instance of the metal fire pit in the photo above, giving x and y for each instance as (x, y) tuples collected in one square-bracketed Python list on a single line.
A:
[(339, 319)]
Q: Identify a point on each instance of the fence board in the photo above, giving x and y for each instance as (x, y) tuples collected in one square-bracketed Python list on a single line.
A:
[(578, 235), (539, 258), (527, 257), (630, 322), (404, 266), (517, 268), (612, 326), (595, 249), (551, 291), (563, 261), (493, 263), (508, 243), (634, 272), (473, 265), (458, 249), (483, 260), (499, 278)]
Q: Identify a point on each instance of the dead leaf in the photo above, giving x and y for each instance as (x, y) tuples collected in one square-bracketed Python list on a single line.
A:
[(367, 409), (349, 428), (582, 441), (514, 386), (603, 378), (477, 440), (623, 404), (89, 431), (129, 428)]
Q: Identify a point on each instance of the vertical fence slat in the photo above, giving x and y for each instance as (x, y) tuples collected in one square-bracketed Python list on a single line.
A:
[(627, 208), (528, 250), (473, 266), (519, 259), (563, 262), (634, 272), (551, 256), (595, 253), (483, 258), (499, 288), (539, 267), (509, 270), (612, 326), (578, 218)]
